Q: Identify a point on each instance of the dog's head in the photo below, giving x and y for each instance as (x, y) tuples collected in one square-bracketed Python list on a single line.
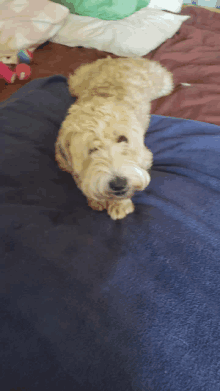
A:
[(105, 150)]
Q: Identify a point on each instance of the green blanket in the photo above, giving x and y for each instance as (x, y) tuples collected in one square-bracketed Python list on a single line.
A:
[(104, 9)]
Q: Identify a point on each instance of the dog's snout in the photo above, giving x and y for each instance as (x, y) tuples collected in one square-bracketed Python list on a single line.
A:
[(118, 184)]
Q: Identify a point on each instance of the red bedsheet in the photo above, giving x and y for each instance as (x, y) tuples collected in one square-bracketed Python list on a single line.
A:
[(193, 55)]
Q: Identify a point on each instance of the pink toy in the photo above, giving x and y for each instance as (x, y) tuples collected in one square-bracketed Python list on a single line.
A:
[(23, 71), (6, 73)]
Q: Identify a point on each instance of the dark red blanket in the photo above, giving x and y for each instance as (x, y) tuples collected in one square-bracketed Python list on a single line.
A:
[(193, 55)]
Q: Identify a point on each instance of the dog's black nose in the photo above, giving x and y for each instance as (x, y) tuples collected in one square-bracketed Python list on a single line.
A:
[(118, 185)]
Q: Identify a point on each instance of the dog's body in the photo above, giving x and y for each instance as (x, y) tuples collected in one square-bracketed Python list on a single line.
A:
[(101, 141)]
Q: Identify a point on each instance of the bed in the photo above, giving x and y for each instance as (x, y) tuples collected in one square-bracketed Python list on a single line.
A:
[(88, 303), (192, 54)]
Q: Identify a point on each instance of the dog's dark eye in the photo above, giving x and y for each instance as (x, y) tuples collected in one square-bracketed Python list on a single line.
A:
[(92, 150), (122, 139)]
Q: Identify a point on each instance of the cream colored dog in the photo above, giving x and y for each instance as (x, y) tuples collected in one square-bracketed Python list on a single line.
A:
[(101, 141)]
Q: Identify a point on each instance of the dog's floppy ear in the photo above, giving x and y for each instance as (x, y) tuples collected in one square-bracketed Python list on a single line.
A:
[(63, 156), (62, 152)]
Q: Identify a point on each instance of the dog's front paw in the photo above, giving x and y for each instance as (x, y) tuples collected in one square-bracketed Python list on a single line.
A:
[(120, 209), (96, 205)]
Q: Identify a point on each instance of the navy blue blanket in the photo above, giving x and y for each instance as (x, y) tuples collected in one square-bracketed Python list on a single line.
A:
[(92, 304)]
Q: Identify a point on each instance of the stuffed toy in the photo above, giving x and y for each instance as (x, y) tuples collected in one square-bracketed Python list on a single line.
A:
[(22, 70)]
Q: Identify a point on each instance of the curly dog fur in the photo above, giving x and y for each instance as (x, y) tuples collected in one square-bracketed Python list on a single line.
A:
[(101, 141)]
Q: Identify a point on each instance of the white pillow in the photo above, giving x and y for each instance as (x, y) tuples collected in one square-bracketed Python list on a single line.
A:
[(168, 5), (28, 23), (133, 36)]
